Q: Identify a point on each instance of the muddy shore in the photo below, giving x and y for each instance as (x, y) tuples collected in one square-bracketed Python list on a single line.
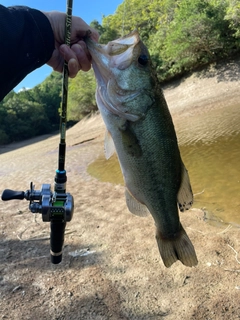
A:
[(111, 267)]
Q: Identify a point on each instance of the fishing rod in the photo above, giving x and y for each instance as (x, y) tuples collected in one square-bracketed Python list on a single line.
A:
[(58, 223), (56, 207)]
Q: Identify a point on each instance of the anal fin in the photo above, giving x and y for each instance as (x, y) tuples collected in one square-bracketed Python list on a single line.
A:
[(134, 206)]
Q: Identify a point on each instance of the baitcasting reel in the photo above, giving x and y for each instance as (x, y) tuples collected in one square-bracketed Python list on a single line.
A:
[(55, 207)]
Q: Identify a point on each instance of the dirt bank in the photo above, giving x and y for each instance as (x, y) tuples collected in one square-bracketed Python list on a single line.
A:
[(214, 87), (111, 267)]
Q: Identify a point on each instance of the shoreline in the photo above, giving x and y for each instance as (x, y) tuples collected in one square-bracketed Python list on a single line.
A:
[(111, 267), (216, 86)]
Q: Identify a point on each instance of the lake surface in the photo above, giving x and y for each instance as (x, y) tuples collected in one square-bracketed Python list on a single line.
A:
[(210, 147)]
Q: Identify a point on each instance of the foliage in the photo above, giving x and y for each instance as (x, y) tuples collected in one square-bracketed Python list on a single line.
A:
[(81, 95), (233, 16), (196, 36), (31, 112), (181, 35), (106, 33)]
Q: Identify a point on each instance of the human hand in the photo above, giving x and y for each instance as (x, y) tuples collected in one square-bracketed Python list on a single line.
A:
[(77, 55)]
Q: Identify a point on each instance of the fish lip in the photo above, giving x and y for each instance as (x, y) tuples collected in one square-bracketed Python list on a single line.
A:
[(103, 55), (101, 79), (95, 50), (130, 39), (106, 60)]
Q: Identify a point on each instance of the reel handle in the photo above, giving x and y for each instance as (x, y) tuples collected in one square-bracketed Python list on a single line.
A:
[(11, 195)]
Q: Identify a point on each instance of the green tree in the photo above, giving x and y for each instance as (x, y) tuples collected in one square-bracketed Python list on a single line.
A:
[(82, 95), (197, 35), (97, 26), (3, 135), (48, 94), (31, 112), (24, 118), (233, 16), (106, 33), (181, 34)]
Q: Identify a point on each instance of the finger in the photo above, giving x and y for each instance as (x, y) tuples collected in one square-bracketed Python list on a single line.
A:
[(95, 35), (80, 28), (92, 33), (73, 68), (67, 52), (78, 52), (71, 58), (56, 61), (82, 54)]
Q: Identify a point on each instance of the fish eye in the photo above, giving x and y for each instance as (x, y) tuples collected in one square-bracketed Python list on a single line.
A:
[(143, 60)]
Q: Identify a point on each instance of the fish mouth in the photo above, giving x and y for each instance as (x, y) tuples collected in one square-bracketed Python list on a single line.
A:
[(116, 54), (107, 61)]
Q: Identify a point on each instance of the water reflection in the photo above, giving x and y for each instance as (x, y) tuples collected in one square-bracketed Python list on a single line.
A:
[(106, 170), (210, 148)]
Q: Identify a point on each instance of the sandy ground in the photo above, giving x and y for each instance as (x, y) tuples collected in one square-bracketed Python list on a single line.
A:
[(111, 267)]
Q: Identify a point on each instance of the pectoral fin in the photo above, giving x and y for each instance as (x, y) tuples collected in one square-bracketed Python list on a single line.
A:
[(130, 141), (135, 206), (109, 147), (185, 195)]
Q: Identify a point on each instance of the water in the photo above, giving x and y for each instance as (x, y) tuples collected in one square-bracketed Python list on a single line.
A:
[(210, 147), (106, 170)]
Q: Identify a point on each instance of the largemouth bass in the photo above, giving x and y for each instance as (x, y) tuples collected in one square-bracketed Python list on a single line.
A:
[(140, 127)]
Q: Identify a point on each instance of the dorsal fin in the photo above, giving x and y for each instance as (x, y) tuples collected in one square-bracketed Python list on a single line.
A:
[(185, 195)]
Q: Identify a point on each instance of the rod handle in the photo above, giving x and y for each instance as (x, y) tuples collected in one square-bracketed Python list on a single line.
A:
[(56, 240)]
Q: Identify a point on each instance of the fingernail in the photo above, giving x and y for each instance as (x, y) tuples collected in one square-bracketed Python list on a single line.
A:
[(73, 67)]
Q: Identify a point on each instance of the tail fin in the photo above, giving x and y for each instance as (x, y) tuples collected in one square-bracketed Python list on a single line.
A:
[(179, 248)]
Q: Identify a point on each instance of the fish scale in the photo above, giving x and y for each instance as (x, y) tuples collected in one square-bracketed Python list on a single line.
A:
[(138, 121)]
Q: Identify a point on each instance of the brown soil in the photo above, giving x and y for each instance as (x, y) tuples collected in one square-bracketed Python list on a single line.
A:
[(111, 267)]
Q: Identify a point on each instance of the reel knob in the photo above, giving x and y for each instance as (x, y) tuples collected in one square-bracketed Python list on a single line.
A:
[(12, 195)]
